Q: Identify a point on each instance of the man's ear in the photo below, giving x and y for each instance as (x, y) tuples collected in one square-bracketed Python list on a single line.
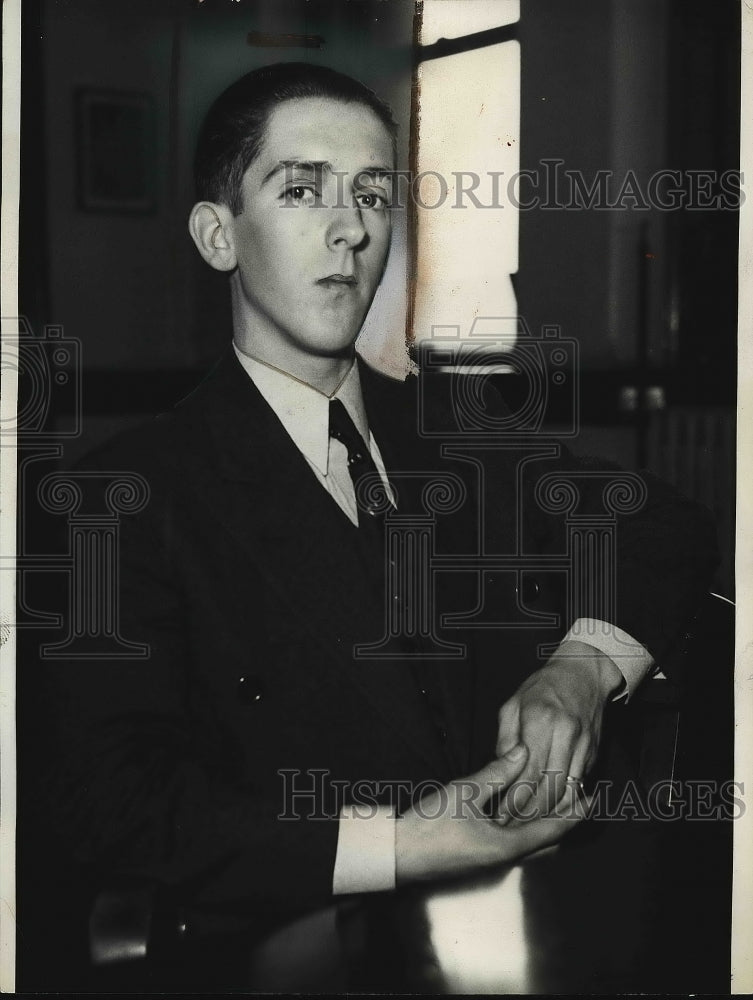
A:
[(210, 226)]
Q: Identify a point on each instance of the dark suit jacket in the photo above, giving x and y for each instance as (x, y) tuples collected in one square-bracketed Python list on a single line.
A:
[(246, 581)]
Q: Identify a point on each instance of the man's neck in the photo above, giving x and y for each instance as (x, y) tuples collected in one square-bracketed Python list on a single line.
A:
[(324, 374), (328, 391)]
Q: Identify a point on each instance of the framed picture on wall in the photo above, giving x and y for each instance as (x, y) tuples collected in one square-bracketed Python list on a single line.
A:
[(116, 151)]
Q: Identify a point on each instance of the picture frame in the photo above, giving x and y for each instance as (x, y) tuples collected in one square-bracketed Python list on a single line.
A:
[(116, 165)]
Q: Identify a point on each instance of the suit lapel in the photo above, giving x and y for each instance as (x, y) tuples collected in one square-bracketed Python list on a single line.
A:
[(265, 494), (412, 460)]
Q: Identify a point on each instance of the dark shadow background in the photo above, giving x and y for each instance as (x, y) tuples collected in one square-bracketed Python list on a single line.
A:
[(650, 296)]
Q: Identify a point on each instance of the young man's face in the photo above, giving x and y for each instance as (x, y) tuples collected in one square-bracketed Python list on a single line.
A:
[(313, 237)]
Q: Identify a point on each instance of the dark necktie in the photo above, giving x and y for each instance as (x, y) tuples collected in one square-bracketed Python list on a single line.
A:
[(371, 498)]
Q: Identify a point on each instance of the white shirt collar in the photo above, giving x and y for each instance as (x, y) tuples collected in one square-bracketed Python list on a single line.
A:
[(303, 411)]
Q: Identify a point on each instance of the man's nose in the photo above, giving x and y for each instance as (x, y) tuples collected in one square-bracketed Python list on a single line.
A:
[(346, 228)]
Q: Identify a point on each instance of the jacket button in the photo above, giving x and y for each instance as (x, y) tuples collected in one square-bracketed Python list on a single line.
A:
[(250, 689)]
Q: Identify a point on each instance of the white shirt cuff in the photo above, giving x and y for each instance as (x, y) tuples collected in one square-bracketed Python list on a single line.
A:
[(631, 658), (365, 859)]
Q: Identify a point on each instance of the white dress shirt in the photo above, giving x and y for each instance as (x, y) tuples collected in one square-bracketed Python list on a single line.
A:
[(365, 859)]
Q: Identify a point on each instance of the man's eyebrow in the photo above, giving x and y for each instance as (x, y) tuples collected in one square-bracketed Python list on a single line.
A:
[(378, 173), (313, 165), (320, 166)]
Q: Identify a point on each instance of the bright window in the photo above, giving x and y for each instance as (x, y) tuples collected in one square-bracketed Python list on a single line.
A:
[(468, 154)]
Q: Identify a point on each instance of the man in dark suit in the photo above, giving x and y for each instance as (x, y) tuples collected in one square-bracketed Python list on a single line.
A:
[(254, 764)]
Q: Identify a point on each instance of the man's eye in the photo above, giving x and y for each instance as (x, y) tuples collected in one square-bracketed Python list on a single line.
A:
[(370, 199), (300, 194)]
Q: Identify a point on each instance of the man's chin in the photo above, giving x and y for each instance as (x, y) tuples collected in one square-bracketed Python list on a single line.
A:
[(335, 342), (335, 350)]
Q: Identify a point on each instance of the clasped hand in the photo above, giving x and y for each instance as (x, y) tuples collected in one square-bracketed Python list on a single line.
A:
[(557, 714), (449, 831), (548, 731)]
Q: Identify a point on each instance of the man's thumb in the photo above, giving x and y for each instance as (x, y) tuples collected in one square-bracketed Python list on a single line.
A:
[(500, 773)]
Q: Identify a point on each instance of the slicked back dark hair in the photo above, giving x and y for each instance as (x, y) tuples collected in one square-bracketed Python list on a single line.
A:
[(233, 131)]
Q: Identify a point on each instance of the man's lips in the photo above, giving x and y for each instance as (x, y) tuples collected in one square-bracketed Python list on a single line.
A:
[(338, 281)]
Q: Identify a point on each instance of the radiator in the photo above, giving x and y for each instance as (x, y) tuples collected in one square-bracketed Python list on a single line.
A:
[(693, 448)]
